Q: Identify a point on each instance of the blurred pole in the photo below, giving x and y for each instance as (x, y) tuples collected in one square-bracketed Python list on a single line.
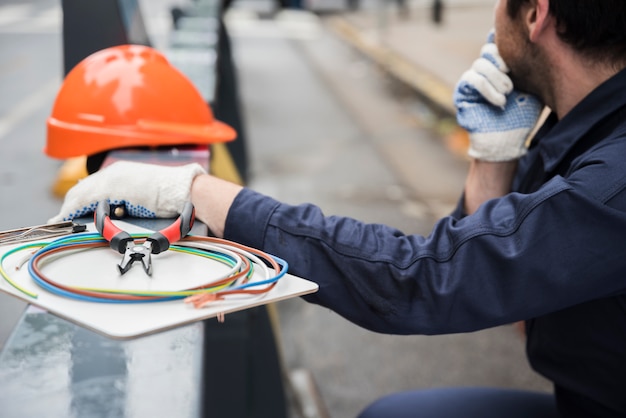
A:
[(437, 11), (383, 22), (403, 9), (353, 5)]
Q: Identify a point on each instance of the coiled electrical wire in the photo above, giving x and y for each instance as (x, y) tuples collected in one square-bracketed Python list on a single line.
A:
[(241, 260)]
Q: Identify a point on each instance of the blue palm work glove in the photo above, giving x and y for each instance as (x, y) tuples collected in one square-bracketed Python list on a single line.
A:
[(497, 117), (145, 190)]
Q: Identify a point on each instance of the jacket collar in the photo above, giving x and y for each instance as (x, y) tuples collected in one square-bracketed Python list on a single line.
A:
[(556, 138)]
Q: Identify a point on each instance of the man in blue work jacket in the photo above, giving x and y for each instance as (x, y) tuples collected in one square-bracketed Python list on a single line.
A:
[(537, 235)]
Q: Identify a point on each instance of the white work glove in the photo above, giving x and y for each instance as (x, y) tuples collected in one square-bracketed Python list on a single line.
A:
[(145, 190), (497, 117)]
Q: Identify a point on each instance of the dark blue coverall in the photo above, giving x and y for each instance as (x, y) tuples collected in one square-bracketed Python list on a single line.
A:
[(551, 252)]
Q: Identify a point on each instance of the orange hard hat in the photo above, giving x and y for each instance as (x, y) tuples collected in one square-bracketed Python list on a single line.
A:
[(129, 96)]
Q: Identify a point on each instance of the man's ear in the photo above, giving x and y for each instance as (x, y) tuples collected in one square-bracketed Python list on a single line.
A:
[(537, 18)]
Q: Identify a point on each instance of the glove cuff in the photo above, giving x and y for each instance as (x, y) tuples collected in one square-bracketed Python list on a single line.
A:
[(175, 188), (498, 146)]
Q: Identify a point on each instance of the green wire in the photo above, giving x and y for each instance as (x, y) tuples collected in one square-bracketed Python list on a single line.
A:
[(8, 278), (188, 250), (94, 238)]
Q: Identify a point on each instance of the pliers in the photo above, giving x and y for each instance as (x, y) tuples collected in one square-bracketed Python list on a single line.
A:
[(156, 243)]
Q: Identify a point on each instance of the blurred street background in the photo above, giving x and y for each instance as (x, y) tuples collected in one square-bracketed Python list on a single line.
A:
[(345, 108)]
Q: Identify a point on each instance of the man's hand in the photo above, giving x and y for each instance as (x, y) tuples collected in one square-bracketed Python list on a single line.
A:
[(146, 191), (497, 117)]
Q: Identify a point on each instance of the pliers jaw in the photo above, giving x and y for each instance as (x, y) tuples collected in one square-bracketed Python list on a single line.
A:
[(156, 243), (136, 252)]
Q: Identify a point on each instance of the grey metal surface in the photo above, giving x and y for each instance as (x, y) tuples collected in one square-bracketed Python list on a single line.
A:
[(53, 368)]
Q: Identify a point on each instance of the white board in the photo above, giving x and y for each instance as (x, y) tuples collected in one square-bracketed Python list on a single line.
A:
[(171, 271)]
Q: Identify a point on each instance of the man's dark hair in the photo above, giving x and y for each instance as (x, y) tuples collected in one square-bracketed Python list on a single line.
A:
[(595, 28)]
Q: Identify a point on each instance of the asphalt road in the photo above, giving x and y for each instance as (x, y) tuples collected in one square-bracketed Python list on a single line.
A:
[(30, 74)]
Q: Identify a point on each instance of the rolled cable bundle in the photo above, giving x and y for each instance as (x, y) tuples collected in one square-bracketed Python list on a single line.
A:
[(242, 261)]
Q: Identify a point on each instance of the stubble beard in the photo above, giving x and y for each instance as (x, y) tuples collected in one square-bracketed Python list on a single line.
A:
[(527, 70)]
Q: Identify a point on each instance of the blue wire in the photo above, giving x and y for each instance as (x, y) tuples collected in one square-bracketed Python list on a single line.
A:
[(283, 271), (70, 295), (62, 242), (93, 237)]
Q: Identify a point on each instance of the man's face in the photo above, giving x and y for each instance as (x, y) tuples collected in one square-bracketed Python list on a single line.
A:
[(505, 38), (516, 50)]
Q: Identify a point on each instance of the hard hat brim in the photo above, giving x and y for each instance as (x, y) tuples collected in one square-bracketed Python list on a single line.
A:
[(66, 140)]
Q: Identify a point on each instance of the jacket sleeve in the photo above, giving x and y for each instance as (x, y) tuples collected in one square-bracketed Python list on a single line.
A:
[(515, 258)]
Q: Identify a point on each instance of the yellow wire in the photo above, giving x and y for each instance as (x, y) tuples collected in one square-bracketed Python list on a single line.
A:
[(6, 276)]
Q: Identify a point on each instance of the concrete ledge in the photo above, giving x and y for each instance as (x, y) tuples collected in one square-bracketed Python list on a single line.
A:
[(422, 81), (308, 400)]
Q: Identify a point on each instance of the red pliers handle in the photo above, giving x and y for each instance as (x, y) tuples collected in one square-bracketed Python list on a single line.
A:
[(122, 242)]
